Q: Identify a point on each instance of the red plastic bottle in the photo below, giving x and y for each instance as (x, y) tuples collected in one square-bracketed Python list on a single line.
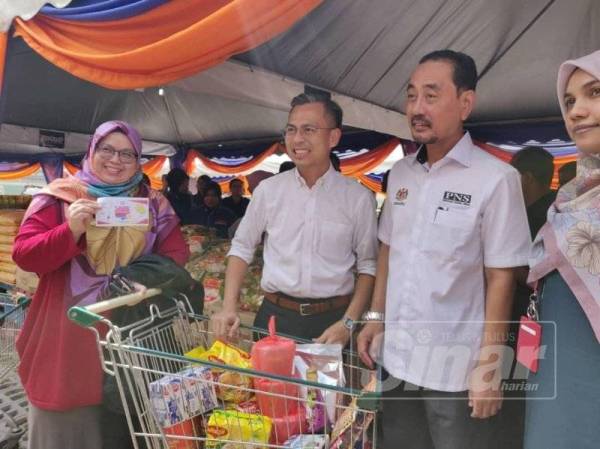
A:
[(274, 354)]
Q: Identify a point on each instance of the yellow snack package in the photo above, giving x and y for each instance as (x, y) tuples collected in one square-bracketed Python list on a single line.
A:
[(233, 387), (221, 352), (230, 385), (196, 353), (231, 425)]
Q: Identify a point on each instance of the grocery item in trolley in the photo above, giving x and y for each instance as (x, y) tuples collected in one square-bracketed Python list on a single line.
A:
[(285, 426), (274, 354), (319, 363), (232, 387), (179, 397), (250, 406), (351, 429), (188, 428), (276, 398), (307, 442), (236, 426)]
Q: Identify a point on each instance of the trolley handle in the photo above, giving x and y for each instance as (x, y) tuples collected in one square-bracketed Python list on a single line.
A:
[(87, 316)]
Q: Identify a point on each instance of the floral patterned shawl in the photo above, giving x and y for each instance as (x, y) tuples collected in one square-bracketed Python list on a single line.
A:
[(570, 240)]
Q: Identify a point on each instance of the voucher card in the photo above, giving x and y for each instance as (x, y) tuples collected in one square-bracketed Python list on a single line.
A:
[(123, 211)]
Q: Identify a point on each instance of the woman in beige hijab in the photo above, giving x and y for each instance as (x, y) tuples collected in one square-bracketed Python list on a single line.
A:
[(566, 262)]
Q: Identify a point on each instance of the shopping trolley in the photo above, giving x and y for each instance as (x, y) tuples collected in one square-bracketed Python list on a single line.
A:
[(13, 401), (175, 401)]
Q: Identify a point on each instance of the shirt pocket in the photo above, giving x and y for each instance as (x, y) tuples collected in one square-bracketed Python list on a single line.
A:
[(335, 241), (449, 233)]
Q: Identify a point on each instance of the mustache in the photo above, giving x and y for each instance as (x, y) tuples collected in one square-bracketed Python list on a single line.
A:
[(421, 119)]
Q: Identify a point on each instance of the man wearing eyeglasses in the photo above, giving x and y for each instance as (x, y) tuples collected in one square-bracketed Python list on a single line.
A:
[(320, 242)]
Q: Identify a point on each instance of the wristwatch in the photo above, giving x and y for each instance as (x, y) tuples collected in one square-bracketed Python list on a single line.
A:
[(371, 315), (349, 323)]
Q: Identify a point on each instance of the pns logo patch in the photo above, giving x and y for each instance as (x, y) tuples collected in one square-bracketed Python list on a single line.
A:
[(401, 195), (457, 198)]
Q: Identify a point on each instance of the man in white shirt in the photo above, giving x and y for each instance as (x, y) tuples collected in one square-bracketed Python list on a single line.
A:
[(320, 242), (452, 230)]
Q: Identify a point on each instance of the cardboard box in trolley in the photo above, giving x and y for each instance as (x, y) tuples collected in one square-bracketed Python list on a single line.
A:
[(178, 397)]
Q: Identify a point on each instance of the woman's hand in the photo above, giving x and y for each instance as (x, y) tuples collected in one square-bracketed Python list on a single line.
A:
[(80, 214)]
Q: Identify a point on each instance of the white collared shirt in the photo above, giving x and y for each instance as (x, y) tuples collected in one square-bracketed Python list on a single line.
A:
[(444, 224), (316, 238)]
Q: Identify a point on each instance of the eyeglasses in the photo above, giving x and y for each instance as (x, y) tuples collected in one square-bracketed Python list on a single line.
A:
[(305, 130), (125, 156)]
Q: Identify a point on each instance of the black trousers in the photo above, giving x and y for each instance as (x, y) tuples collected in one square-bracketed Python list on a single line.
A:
[(292, 323), (417, 418)]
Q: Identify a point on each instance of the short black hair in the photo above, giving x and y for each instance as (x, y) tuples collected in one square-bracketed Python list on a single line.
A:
[(537, 161), (332, 109), (235, 180), (464, 69), (214, 187), (175, 178)]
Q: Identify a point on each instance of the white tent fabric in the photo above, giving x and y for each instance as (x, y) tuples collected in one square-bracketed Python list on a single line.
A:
[(25, 140), (26, 9), (253, 85)]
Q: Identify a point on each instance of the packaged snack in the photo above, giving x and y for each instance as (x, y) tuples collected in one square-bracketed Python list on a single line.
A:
[(319, 363), (179, 397), (307, 442), (250, 406), (351, 429), (239, 385), (195, 353), (237, 427), (212, 287), (233, 387), (221, 352)]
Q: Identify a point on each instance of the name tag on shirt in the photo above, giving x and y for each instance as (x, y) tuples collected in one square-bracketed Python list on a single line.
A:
[(461, 199)]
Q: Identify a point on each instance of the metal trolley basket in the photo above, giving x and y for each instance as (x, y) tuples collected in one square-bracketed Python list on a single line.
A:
[(13, 401), (179, 402)]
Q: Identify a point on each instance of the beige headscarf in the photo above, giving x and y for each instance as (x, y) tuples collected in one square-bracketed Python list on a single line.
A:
[(570, 240)]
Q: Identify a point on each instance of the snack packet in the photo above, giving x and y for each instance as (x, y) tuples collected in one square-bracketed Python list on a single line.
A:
[(231, 386), (238, 427), (351, 429), (319, 363)]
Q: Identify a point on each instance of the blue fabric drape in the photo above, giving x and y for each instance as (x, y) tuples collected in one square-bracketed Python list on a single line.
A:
[(101, 10), (52, 168)]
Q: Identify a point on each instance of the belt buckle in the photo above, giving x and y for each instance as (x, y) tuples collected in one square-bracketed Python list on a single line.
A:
[(302, 309)]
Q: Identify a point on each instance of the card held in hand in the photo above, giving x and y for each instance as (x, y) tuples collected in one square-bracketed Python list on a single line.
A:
[(123, 211)]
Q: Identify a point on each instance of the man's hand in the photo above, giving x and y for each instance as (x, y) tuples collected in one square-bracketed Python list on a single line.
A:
[(225, 325), (336, 333), (485, 398), (369, 343)]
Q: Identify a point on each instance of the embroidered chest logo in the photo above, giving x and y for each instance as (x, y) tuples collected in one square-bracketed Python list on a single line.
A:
[(401, 195), (457, 198)]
